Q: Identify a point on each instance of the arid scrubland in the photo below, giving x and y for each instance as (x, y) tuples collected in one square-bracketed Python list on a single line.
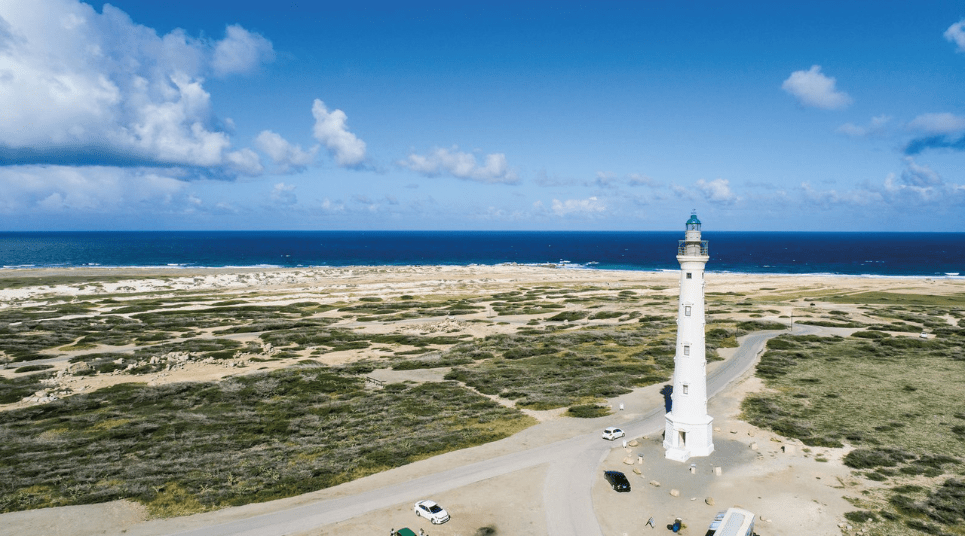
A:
[(190, 391)]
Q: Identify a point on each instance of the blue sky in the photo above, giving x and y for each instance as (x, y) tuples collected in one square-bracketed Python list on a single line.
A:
[(830, 116)]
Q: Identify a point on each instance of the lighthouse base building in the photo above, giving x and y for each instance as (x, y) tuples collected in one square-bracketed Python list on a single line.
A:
[(689, 428), (686, 439)]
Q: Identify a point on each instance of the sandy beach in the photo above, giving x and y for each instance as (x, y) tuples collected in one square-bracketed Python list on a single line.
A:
[(787, 485)]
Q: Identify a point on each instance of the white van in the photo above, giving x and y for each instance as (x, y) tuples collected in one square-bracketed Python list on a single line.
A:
[(734, 522)]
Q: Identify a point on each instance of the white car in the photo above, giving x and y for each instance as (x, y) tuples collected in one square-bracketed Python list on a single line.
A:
[(436, 514), (613, 433)]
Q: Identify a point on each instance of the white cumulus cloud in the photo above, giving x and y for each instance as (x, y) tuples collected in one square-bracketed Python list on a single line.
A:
[(588, 206), (813, 88), (938, 123), (82, 88), (284, 154), (717, 191), (956, 34), (918, 175), (284, 194), (461, 165), (92, 190), (875, 126), (240, 52), (332, 132)]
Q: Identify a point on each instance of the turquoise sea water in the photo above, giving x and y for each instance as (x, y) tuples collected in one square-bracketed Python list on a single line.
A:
[(883, 254)]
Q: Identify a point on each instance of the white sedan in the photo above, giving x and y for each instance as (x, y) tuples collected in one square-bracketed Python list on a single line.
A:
[(436, 514), (613, 433)]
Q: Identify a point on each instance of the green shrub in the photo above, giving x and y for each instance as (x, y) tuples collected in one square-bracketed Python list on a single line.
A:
[(921, 526), (588, 411), (32, 368), (870, 335), (883, 457), (860, 516), (947, 503), (568, 316), (603, 315)]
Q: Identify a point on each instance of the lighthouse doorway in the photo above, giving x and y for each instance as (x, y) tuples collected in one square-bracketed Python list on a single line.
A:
[(682, 439)]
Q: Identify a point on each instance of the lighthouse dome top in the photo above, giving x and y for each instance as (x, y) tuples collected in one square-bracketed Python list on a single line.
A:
[(693, 224)]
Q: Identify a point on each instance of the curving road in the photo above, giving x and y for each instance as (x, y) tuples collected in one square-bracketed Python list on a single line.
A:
[(566, 492)]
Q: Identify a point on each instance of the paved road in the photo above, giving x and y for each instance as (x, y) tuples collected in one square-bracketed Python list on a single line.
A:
[(572, 463)]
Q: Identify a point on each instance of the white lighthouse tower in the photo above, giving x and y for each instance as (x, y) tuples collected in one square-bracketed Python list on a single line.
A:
[(688, 431)]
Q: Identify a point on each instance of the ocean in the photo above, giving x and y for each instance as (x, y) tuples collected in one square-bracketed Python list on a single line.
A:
[(869, 254)]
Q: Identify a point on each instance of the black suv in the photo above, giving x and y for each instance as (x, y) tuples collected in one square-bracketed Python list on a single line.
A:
[(617, 480)]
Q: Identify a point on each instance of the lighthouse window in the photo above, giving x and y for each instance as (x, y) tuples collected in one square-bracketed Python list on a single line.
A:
[(690, 275), (686, 388), (686, 349), (687, 310)]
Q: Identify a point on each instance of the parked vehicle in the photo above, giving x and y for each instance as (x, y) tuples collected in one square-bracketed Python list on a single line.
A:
[(431, 511), (715, 524), (735, 522), (613, 433), (618, 481), (405, 531)]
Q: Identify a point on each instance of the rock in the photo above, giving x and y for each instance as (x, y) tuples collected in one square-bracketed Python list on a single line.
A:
[(709, 500), (638, 471), (717, 428), (674, 493), (717, 470), (788, 449), (78, 367), (754, 446), (634, 443), (629, 460), (655, 484)]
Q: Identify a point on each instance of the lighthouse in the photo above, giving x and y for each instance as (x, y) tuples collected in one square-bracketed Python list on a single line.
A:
[(688, 430)]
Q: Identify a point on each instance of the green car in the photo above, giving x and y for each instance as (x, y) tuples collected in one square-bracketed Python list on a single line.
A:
[(404, 532)]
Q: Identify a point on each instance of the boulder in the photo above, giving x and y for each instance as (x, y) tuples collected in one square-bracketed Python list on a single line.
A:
[(709, 501), (655, 484), (675, 493)]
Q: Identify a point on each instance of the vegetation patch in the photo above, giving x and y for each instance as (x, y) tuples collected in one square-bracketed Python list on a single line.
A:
[(545, 370), (892, 298), (16, 389), (183, 448), (866, 391)]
